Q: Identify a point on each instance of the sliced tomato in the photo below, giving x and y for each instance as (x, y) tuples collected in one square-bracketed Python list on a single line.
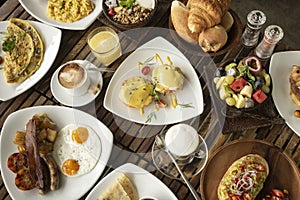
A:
[(145, 70), (17, 161), (260, 168), (24, 180)]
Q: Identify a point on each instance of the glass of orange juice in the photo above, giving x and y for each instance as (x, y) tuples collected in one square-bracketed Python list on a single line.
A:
[(104, 43)]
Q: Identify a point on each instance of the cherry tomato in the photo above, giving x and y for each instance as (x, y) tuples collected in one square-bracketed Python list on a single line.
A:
[(277, 193), (145, 70), (111, 12)]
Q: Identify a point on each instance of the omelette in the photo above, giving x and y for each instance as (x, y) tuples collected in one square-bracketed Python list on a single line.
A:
[(24, 51)]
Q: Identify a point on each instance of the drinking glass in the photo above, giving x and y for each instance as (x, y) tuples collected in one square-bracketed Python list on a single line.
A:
[(104, 44)]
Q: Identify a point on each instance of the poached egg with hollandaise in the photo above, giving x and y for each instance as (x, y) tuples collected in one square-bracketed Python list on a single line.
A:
[(136, 92), (168, 78)]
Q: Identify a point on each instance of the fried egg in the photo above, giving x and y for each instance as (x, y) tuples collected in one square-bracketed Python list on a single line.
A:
[(77, 149), (168, 78), (136, 93)]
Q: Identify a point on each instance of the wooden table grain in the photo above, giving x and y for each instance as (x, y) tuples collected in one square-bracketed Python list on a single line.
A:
[(132, 141)]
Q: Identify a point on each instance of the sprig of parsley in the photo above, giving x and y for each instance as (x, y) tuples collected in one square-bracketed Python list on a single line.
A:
[(9, 43), (127, 3), (150, 117)]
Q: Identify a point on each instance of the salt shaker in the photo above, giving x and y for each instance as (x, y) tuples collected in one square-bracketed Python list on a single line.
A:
[(255, 20), (273, 34)]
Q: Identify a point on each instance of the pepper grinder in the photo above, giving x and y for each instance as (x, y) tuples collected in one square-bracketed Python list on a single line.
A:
[(273, 34), (255, 20)]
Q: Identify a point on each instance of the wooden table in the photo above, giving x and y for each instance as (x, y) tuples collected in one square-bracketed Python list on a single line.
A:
[(130, 145)]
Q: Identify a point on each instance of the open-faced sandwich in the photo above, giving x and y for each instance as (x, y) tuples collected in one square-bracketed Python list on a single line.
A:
[(168, 78), (244, 178), (122, 188), (136, 92), (153, 84), (295, 84)]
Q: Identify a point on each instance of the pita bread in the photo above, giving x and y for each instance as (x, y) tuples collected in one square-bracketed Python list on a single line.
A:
[(121, 189)]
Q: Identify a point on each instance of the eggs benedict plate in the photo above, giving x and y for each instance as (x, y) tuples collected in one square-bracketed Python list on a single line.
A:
[(169, 92)]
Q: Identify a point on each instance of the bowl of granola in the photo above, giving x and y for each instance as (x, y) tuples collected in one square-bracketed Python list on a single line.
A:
[(129, 14)]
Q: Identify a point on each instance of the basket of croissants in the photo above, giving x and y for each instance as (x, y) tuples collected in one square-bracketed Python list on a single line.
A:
[(209, 26)]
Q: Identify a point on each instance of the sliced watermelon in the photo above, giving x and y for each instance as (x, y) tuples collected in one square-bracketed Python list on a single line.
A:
[(238, 84), (259, 96)]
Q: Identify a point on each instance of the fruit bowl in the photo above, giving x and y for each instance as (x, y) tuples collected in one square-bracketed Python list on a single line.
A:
[(242, 83), (127, 20)]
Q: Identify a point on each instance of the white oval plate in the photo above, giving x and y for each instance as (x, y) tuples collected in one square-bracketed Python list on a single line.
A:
[(69, 100), (145, 183), (70, 187), (38, 9), (191, 93), (51, 37), (281, 65)]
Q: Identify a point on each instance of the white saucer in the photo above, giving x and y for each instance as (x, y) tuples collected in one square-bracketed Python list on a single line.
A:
[(69, 100)]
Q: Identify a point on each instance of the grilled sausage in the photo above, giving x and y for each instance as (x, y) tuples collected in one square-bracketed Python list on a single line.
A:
[(53, 169)]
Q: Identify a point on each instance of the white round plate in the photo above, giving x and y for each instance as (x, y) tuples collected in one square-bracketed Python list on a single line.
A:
[(76, 101), (70, 187)]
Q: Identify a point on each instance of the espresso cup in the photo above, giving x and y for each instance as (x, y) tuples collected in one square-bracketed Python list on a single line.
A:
[(185, 144), (73, 78)]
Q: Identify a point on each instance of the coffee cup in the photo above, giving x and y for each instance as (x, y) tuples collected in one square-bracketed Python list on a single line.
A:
[(73, 78), (184, 142)]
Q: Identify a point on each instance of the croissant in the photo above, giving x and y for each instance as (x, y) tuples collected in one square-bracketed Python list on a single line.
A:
[(206, 13)]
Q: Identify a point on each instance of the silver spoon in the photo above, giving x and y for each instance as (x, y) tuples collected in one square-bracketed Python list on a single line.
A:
[(101, 69), (88, 65), (160, 142)]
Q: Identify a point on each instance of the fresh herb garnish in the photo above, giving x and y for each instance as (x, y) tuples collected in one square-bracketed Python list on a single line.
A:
[(150, 117), (9, 43), (127, 3), (62, 5), (186, 105), (148, 61)]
